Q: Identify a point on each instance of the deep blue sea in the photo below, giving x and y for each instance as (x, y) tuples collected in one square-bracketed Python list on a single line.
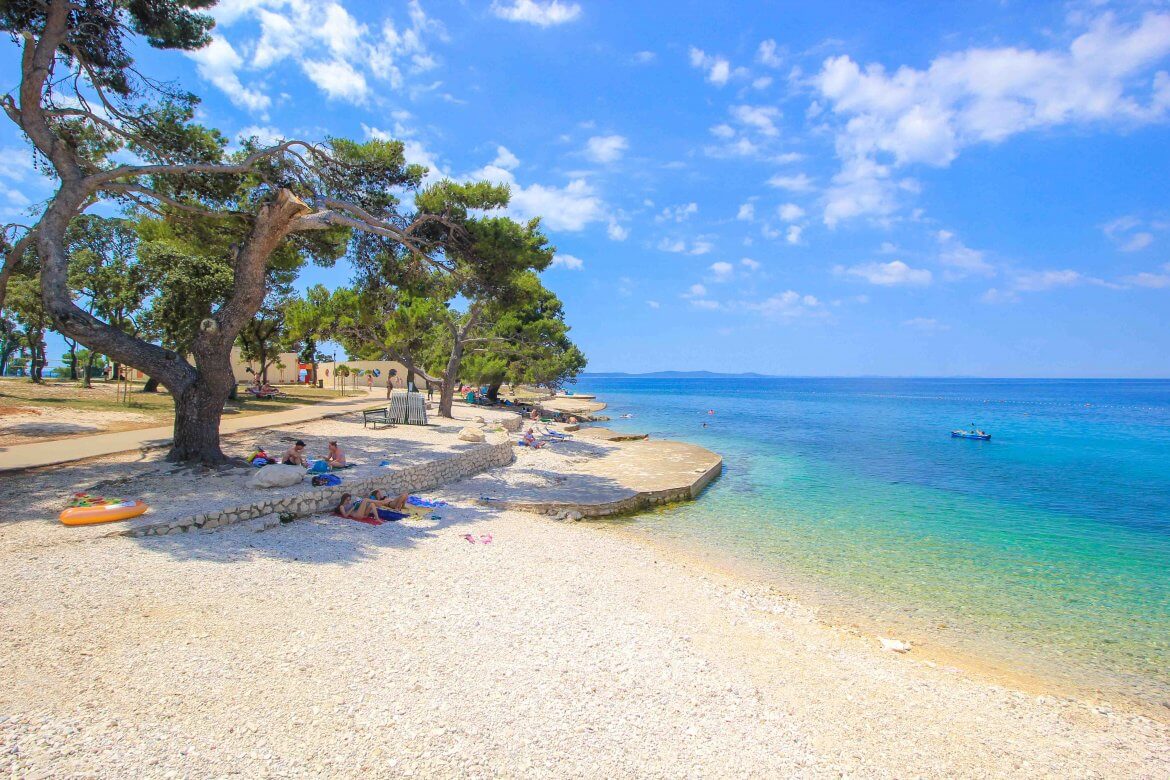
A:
[(1043, 552)]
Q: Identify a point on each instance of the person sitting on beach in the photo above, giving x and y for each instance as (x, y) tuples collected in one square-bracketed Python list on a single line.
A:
[(296, 455), (356, 508), (534, 415), (529, 440), (381, 500), (335, 457)]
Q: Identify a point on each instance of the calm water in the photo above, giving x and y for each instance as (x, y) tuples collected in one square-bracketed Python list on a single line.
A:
[(1045, 550)]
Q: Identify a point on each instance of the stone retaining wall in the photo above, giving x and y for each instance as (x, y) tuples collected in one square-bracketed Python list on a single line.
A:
[(632, 503), (412, 479)]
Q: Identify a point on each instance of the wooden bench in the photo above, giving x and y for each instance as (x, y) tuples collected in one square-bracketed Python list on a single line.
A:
[(377, 417)]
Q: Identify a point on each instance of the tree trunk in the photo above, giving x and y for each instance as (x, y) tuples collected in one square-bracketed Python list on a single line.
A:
[(151, 385), (450, 377), (87, 383), (409, 378), (198, 410), (72, 359), (494, 391)]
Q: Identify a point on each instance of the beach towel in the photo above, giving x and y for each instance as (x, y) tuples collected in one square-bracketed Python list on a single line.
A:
[(326, 480), (389, 515)]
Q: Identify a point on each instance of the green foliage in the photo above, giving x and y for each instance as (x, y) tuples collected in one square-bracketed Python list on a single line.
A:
[(104, 271), (98, 30)]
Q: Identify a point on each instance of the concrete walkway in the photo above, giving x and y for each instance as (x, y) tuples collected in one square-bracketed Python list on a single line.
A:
[(51, 453)]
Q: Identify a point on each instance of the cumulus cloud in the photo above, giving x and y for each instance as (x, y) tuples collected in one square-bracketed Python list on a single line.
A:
[(606, 148), (505, 159), (768, 54), (722, 271), (568, 262), (680, 213), (797, 183), (750, 264), (571, 208), (700, 246), (546, 14), (891, 274), (218, 62), (762, 119), (789, 212), (792, 235), (984, 95), (717, 70), (788, 304), (747, 212), (961, 260), (336, 52), (616, 231)]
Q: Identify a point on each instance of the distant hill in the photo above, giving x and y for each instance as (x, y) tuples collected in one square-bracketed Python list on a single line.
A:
[(672, 375)]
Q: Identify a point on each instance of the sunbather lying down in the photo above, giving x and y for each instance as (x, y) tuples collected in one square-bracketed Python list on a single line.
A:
[(367, 508)]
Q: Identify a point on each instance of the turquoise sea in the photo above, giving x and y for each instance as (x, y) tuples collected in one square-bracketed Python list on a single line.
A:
[(1044, 552)]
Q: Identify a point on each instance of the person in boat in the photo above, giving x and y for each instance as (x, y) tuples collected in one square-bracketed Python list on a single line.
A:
[(382, 500), (296, 455), (335, 457), (356, 508)]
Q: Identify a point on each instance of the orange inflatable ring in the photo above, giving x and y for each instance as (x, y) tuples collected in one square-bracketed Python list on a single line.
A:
[(88, 510)]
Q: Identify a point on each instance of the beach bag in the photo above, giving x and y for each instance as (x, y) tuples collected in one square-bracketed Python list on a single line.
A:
[(276, 475), (319, 467), (258, 462), (326, 480)]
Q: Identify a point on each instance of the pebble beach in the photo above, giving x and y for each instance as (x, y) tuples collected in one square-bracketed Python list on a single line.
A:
[(482, 642)]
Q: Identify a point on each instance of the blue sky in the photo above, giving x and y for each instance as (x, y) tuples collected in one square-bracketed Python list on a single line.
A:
[(790, 188)]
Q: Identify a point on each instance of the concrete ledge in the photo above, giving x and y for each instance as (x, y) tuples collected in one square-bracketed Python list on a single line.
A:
[(421, 476), (636, 476)]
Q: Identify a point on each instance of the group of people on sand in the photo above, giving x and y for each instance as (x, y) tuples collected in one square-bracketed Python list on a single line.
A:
[(367, 508), (295, 455)]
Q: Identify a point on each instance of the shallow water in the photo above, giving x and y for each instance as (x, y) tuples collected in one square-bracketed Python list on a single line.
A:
[(1045, 551)]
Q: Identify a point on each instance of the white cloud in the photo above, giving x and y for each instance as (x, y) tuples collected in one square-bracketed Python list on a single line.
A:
[(700, 246), (718, 69), (546, 14), (218, 62), (703, 303), (928, 324), (644, 57), (724, 131), (616, 231), (505, 159), (15, 163), (568, 262), (984, 95), (1151, 280), (338, 53), (338, 79), (763, 82), (680, 213), (768, 55), (961, 260), (762, 119), (722, 271), (792, 236), (571, 207), (653, 304), (1038, 281), (788, 305), (893, 273), (750, 264), (790, 212), (264, 135), (747, 212), (798, 183), (1131, 234), (605, 148)]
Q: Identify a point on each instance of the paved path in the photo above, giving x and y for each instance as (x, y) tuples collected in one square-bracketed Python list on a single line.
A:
[(49, 453)]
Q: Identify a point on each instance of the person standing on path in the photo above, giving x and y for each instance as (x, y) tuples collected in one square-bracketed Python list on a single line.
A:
[(389, 385), (370, 382)]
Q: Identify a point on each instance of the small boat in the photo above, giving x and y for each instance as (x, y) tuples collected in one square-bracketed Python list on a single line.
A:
[(974, 433)]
